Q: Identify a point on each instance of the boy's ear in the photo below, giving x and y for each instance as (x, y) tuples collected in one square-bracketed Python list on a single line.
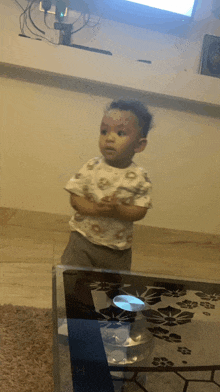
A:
[(142, 143)]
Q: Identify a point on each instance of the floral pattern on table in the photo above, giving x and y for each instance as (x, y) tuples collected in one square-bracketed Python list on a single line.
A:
[(168, 316), (182, 319), (164, 334), (171, 313)]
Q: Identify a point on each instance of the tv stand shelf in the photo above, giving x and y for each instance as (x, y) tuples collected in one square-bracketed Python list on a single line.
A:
[(57, 64)]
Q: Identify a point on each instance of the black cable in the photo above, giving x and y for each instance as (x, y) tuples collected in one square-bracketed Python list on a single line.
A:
[(21, 29), (77, 19), (73, 32), (29, 11), (25, 22), (19, 4), (45, 22), (37, 35), (23, 13), (95, 24), (28, 8), (41, 36), (46, 5), (89, 19), (87, 24)]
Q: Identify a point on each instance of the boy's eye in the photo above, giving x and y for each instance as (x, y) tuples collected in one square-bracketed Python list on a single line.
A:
[(104, 132)]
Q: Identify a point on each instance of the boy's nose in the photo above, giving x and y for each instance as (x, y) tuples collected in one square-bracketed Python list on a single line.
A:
[(110, 136)]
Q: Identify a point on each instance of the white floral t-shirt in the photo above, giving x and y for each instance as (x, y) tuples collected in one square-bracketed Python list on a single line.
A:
[(96, 180)]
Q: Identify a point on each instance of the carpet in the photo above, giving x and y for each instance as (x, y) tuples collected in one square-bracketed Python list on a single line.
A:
[(26, 349)]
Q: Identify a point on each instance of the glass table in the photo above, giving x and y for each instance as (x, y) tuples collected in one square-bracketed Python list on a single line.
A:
[(124, 331)]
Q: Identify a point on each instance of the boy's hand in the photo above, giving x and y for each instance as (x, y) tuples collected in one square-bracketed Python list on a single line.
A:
[(108, 203), (109, 200)]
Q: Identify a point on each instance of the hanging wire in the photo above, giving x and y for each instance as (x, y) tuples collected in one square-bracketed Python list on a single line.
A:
[(29, 11), (73, 32), (87, 23), (36, 35), (95, 24), (23, 13), (19, 4), (25, 22), (77, 19), (45, 21)]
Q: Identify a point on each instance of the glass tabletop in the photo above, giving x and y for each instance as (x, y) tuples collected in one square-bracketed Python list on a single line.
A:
[(125, 331)]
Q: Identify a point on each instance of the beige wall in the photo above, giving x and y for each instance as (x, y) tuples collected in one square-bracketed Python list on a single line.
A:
[(175, 58), (49, 132)]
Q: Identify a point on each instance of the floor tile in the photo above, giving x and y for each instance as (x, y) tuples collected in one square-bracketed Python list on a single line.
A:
[(161, 382), (196, 375), (173, 266), (19, 244), (202, 387), (32, 242), (26, 284), (6, 214), (40, 220)]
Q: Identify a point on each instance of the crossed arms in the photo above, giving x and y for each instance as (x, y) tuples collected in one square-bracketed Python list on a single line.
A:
[(107, 208)]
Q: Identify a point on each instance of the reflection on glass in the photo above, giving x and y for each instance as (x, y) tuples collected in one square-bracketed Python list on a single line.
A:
[(129, 303)]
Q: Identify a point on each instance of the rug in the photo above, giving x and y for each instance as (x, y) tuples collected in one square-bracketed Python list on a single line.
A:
[(26, 355)]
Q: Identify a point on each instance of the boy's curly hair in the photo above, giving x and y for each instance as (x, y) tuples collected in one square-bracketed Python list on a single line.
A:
[(138, 109)]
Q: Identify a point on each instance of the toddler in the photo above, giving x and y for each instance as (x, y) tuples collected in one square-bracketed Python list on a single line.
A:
[(110, 192)]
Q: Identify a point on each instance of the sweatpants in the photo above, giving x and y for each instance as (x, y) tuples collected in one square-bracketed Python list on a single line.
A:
[(83, 253)]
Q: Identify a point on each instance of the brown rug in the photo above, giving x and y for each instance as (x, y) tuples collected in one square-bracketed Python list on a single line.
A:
[(26, 349)]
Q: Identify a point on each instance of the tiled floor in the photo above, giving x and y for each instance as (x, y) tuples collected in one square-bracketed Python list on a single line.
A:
[(32, 242)]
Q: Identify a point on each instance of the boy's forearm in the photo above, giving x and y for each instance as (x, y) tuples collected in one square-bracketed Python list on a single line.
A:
[(120, 211), (87, 207), (129, 213), (83, 205)]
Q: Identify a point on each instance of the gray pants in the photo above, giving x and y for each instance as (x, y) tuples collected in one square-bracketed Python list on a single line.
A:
[(83, 253)]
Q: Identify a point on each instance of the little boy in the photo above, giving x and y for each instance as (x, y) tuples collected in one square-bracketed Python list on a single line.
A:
[(110, 192)]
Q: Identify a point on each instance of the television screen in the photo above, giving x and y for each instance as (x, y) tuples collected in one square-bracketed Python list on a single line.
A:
[(172, 16), (179, 7)]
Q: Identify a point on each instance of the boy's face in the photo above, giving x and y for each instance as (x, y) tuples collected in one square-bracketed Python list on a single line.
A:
[(120, 137)]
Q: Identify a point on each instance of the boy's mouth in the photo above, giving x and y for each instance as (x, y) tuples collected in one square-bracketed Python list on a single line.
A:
[(109, 149)]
